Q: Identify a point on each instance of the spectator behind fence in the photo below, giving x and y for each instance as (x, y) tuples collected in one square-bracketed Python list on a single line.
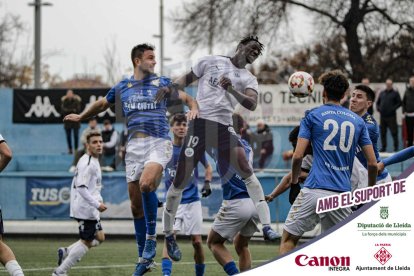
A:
[(110, 139), (264, 143), (365, 81), (71, 103), (388, 102), (408, 111), (92, 126)]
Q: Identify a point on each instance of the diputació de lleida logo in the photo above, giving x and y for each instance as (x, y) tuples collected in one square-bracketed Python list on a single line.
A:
[(384, 212)]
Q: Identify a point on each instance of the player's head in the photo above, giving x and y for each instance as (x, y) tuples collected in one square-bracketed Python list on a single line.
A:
[(179, 126), (143, 57), (239, 124), (361, 99), (94, 143), (249, 49), (92, 122), (335, 85)]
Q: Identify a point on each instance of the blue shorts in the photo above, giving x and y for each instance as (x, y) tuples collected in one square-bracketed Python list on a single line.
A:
[(88, 229)]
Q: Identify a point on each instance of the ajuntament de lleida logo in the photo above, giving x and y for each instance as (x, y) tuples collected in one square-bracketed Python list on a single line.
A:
[(384, 212)]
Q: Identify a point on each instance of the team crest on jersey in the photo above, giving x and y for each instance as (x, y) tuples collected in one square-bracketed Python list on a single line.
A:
[(155, 82), (129, 85), (189, 152)]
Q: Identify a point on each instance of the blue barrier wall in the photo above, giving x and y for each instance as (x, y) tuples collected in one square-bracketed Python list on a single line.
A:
[(39, 196)]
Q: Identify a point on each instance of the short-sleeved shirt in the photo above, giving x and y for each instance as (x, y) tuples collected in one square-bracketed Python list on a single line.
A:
[(334, 132), (88, 174), (190, 193), (373, 132), (214, 102), (138, 105)]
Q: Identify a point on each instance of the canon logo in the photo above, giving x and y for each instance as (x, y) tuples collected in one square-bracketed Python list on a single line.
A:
[(304, 260)]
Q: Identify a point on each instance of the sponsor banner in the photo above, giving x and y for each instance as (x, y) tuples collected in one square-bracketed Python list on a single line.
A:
[(278, 107), (375, 240), (44, 106), (50, 198), (47, 197)]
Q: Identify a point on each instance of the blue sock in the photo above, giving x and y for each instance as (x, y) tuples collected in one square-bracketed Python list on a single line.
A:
[(199, 269), (150, 203), (231, 268), (166, 265), (140, 231)]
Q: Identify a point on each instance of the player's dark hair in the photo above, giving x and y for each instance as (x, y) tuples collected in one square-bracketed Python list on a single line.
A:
[(238, 123), (335, 84), (139, 50), (370, 93), (179, 118), (92, 133), (293, 136), (249, 38)]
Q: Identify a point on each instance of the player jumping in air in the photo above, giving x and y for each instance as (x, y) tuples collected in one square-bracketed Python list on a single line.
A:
[(223, 82)]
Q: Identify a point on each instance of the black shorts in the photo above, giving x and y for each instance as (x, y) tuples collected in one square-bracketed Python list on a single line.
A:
[(88, 229), (1, 224), (203, 135)]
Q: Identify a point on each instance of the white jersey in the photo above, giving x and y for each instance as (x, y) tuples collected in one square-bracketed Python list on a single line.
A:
[(214, 102), (88, 174)]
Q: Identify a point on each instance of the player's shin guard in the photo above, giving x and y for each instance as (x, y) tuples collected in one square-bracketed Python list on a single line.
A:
[(150, 204), (174, 196), (255, 191)]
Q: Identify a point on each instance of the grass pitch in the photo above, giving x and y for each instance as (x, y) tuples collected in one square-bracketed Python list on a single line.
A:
[(117, 257)]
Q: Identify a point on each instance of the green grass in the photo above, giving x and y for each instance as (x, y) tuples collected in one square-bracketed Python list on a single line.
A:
[(38, 257)]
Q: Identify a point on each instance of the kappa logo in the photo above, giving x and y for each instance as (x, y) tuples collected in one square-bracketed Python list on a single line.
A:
[(42, 108), (384, 212), (93, 99), (383, 255)]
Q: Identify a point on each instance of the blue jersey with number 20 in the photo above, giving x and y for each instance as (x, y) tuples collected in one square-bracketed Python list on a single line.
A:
[(334, 132)]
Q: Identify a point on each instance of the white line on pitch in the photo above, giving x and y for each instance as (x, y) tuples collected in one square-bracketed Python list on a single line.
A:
[(113, 266)]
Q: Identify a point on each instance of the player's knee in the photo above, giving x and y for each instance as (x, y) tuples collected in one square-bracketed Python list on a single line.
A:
[(197, 243), (101, 237), (146, 187)]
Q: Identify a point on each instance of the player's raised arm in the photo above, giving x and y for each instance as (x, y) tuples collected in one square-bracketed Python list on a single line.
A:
[(247, 100), (191, 103), (179, 84), (96, 108)]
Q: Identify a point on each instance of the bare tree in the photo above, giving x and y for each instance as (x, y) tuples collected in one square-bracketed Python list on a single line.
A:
[(357, 21), (112, 62)]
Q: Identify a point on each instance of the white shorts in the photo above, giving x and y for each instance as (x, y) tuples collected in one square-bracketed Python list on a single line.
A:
[(359, 177), (302, 216), (387, 179), (234, 216), (189, 219), (140, 151)]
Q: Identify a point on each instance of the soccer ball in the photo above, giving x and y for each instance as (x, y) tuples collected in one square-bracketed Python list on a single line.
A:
[(301, 84)]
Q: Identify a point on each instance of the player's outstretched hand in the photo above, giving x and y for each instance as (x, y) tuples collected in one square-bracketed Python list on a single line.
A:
[(161, 93), (72, 118), (269, 198), (192, 114), (102, 207), (206, 191), (380, 167), (225, 83)]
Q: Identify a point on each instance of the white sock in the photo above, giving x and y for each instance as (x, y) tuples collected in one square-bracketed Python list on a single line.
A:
[(95, 243), (255, 191), (75, 255), (14, 268), (173, 197), (69, 248)]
